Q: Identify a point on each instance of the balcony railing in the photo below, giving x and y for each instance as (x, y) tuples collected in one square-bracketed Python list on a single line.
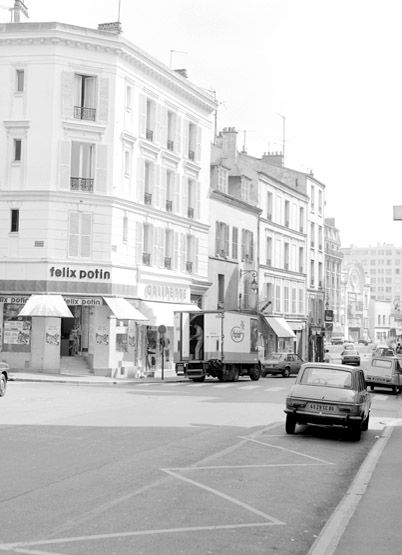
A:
[(169, 206), (269, 216), (149, 134), (168, 263), (80, 112), (190, 212), (170, 145), (146, 258), (189, 267), (147, 198), (269, 262), (84, 184), (191, 155)]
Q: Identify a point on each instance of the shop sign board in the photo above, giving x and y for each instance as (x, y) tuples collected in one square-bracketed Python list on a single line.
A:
[(79, 273), (84, 301), (158, 291), (14, 299)]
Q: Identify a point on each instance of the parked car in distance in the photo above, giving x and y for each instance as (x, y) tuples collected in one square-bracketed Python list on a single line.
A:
[(383, 351), (330, 395), (281, 363), (337, 340), (350, 356), (4, 368), (385, 372), (363, 341)]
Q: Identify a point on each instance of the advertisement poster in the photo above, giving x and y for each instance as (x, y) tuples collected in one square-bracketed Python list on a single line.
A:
[(16, 329), (102, 336), (52, 335)]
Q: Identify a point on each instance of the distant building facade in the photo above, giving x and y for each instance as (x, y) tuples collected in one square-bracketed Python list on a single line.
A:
[(333, 271)]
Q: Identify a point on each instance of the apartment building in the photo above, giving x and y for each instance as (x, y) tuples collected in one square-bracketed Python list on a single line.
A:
[(333, 270), (103, 187)]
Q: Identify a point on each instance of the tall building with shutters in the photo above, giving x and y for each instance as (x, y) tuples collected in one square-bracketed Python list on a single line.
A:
[(104, 177)]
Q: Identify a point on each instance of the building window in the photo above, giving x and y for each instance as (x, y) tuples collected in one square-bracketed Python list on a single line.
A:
[(301, 260), (301, 301), (85, 97), (192, 198), (311, 272), (222, 239), (15, 220), (221, 291), (147, 244), (247, 245), (192, 140), (149, 182), (222, 179), (17, 150), (191, 254), (171, 130), (278, 298), (127, 163), (129, 97), (235, 242), (150, 121), (20, 74), (301, 219), (170, 185), (168, 258), (286, 256), (269, 251), (312, 234), (82, 171), (312, 198), (270, 205), (293, 300), (80, 234), (287, 213), (125, 228), (286, 300), (320, 201)]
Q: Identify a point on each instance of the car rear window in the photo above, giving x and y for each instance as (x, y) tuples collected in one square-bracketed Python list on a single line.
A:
[(382, 363), (278, 356), (326, 377)]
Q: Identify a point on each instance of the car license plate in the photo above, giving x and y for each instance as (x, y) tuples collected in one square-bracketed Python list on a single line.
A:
[(321, 408)]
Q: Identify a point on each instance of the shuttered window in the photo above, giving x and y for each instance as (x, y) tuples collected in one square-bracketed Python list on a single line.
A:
[(80, 234)]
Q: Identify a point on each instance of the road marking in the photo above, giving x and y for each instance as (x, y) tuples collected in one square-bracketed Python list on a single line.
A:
[(286, 449), (249, 387), (96, 537), (274, 389), (195, 385), (377, 397), (222, 385), (231, 467), (223, 496)]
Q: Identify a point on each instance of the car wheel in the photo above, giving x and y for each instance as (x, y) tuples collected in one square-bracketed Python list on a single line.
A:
[(290, 424), (3, 385), (356, 432), (255, 373), (286, 372), (365, 424)]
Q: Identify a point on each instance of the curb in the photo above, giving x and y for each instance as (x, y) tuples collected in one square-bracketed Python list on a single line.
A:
[(333, 530), (75, 380)]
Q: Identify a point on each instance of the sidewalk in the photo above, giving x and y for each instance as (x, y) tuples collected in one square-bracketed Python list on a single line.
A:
[(367, 520), (84, 378)]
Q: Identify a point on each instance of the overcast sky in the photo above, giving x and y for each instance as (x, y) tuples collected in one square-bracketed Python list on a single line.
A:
[(332, 68)]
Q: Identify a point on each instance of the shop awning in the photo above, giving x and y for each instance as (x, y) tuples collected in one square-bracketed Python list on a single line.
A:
[(297, 326), (163, 313), (123, 310), (46, 305), (280, 326)]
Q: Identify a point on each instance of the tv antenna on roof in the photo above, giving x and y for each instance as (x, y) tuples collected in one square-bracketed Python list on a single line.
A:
[(19, 7)]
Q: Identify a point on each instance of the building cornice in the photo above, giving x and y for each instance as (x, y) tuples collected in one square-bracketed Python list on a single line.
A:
[(233, 201)]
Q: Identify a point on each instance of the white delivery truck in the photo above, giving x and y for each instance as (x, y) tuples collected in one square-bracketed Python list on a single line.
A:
[(221, 343)]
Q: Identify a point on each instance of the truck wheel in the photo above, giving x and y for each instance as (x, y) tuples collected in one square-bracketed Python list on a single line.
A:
[(255, 373), (200, 379), (286, 372), (290, 424)]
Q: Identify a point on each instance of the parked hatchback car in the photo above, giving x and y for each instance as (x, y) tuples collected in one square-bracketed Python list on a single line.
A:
[(282, 363), (385, 372), (331, 395), (3, 378), (383, 352), (350, 356)]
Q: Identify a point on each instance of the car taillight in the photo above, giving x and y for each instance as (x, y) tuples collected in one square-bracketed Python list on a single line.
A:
[(295, 403)]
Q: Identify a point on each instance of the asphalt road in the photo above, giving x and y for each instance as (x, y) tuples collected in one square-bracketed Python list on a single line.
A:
[(168, 468)]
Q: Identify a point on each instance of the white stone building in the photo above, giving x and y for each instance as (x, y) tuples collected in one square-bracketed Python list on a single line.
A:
[(103, 184)]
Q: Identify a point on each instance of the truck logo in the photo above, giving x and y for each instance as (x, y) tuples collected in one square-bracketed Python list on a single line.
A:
[(237, 334)]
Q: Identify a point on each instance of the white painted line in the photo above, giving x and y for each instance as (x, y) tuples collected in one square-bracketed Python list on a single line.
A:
[(287, 450), (96, 537), (195, 385), (249, 387), (231, 467), (222, 385), (274, 389), (224, 496), (332, 532)]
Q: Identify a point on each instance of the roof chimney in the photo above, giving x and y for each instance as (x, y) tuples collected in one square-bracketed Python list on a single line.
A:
[(229, 142), (274, 158), (182, 72), (19, 7), (114, 27)]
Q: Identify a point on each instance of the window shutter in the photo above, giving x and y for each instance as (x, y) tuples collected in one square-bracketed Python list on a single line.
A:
[(77, 89), (90, 92), (226, 228), (186, 137), (139, 240), (162, 187), (251, 251), (243, 238), (196, 256), (197, 200), (100, 185), (184, 196), (143, 116), (176, 251), (67, 93), (103, 101), (177, 140), (182, 256), (163, 126), (160, 246), (65, 169), (176, 203), (157, 189), (140, 180), (85, 235), (198, 144), (73, 233), (158, 124), (217, 237)]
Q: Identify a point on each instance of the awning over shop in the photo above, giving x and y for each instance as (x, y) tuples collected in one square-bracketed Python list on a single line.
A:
[(163, 313), (297, 326), (123, 310), (46, 305), (280, 327)]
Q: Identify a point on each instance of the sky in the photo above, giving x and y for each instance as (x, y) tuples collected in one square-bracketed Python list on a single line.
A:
[(330, 69)]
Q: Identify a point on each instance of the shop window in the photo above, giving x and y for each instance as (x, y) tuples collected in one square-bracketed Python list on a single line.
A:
[(16, 330)]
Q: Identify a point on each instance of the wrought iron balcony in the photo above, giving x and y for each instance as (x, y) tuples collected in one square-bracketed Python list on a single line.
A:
[(168, 263), (84, 184), (147, 198), (81, 112), (146, 258), (170, 145), (169, 206), (191, 155), (149, 134), (189, 267), (190, 212)]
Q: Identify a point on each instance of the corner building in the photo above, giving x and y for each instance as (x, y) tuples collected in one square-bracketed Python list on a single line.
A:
[(104, 177)]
